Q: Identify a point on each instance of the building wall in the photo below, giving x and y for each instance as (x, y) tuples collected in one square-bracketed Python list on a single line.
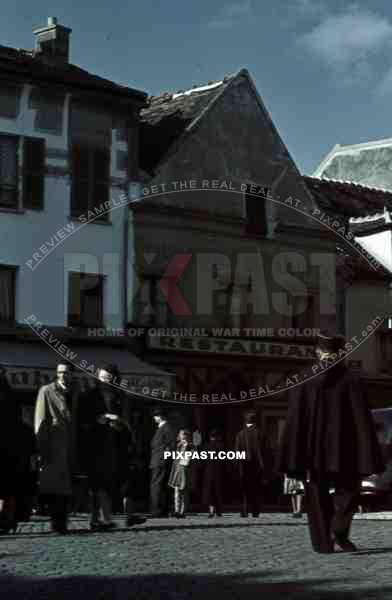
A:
[(45, 113), (234, 141), (366, 305)]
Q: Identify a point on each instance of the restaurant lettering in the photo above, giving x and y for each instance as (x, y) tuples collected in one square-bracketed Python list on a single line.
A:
[(237, 347)]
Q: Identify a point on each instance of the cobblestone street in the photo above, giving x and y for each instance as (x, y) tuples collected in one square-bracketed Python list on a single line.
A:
[(195, 558)]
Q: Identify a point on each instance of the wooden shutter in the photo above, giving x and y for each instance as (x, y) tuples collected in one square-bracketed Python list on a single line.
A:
[(74, 299), (101, 177), (7, 293), (33, 173), (9, 171), (80, 172)]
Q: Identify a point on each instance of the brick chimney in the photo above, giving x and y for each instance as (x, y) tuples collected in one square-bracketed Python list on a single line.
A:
[(52, 41)]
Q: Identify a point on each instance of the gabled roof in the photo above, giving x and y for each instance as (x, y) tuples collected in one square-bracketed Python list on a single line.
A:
[(348, 199), (367, 164), (169, 115), (28, 65)]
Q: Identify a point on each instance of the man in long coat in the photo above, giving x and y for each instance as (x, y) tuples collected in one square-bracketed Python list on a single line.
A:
[(55, 438), (103, 431), (164, 439), (330, 442), (252, 469)]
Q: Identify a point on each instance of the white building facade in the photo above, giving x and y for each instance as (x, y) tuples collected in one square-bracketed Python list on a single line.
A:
[(68, 167)]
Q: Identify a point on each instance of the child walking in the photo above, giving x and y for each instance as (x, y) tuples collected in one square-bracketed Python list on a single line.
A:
[(179, 478)]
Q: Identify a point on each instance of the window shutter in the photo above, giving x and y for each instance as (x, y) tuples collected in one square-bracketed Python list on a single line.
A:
[(101, 177), (8, 171), (74, 299), (80, 170), (7, 293), (33, 173)]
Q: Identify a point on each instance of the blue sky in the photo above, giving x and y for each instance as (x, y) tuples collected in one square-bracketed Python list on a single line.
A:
[(322, 67)]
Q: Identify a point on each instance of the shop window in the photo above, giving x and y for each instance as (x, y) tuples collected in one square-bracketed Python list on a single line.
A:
[(90, 169), (85, 300), (7, 293), (33, 172), (385, 353)]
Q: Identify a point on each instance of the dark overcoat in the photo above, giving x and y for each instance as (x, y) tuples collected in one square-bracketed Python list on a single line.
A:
[(214, 473), (329, 428), (103, 447), (250, 441), (164, 439)]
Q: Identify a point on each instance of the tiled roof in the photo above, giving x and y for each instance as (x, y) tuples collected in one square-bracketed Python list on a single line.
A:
[(348, 199), (29, 65), (168, 115)]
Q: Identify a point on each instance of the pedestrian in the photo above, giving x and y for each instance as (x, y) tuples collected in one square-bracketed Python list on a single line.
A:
[(55, 437), (214, 474), (164, 440), (252, 470), (330, 442), (17, 461), (295, 489), (131, 480), (104, 429), (179, 478)]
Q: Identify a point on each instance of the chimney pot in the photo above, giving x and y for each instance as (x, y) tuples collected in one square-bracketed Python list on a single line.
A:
[(52, 41)]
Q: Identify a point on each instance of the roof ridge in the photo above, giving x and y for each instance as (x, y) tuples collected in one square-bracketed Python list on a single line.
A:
[(355, 184), (196, 88)]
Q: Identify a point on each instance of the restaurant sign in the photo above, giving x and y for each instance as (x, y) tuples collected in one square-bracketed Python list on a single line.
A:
[(242, 347)]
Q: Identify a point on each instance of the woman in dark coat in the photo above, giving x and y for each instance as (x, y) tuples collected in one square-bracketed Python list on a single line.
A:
[(214, 475), (17, 450), (103, 444), (330, 441)]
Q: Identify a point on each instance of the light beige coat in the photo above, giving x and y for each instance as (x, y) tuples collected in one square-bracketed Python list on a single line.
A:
[(53, 428)]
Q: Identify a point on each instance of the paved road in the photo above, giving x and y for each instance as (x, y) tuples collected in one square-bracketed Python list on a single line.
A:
[(195, 559)]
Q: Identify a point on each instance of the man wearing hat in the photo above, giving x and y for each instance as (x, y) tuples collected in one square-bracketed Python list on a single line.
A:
[(252, 469), (164, 439), (330, 442)]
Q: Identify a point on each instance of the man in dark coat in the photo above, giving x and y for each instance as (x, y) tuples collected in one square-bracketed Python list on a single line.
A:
[(104, 430), (164, 439), (330, 442), (252, 469)]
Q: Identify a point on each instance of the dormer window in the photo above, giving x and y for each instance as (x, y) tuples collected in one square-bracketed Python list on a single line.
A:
[(254, 209)]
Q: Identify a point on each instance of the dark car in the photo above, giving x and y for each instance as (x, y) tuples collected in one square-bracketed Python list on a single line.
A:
[(379, 487)]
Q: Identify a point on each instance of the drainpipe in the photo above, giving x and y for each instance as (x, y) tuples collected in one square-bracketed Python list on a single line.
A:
[(128, 252), (124, 268)]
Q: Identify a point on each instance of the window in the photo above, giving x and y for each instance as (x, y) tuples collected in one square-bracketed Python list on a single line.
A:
[(7, 293), (385, 353), (303, 311), (90, 168), (33, 172), (10, 99), (153, 307), (254, 209), (231, 307), (85, 300)]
